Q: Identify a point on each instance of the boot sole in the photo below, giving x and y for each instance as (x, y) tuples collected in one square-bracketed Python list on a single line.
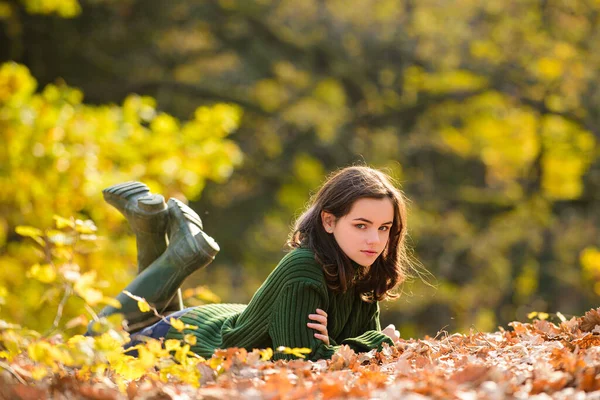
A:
[(119, 195), (145, 212)]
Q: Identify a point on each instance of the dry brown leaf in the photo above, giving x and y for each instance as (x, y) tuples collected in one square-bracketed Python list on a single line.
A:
[(546, 327), (331, 389), (589, 380), (587, 341), (547, 386), (589, 321), (473, 374)]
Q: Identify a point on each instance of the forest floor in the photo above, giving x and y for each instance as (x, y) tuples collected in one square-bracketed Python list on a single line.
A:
[(538, 360)]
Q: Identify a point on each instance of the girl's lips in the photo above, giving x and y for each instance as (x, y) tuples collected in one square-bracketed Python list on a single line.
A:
[(369, 252)]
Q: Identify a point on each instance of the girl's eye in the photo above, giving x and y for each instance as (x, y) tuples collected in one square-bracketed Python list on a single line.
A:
[(384, 228), (361, 226)]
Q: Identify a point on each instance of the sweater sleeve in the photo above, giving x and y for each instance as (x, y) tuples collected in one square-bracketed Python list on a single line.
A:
[(290, 316), (372, 338)]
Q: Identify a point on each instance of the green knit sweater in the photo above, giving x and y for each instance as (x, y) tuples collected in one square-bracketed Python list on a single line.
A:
[(278, 313)]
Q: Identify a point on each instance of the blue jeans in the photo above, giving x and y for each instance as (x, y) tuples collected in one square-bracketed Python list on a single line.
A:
[(157, 330)]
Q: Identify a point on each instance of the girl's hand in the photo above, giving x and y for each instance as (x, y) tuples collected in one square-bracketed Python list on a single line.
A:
[(392, 332), (320, 326)]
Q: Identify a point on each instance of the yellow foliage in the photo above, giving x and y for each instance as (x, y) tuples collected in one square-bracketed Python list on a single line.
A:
[(590, 259), (569, 150), (64, 8), (509, 139), (172, 344), (43, 273), (16, 84), (549, 68), (59, 153)]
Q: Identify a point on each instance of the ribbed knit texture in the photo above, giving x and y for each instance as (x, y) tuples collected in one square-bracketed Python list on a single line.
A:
[(278, 313)]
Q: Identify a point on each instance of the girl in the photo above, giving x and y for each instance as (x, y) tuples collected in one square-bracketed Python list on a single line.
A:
[(348, 253)]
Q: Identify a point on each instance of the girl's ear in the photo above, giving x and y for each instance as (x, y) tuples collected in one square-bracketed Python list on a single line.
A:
[(328, 221)]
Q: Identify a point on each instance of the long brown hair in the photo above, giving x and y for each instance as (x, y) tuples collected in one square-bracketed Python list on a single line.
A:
[(337, 196)]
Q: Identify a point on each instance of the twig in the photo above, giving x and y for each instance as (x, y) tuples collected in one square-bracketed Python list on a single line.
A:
[(154, 310), (61, 307), (12, 372), (91, 311), (482, 336)]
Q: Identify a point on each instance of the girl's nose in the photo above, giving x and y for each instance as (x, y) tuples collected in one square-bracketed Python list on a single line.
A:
[(373, 238)]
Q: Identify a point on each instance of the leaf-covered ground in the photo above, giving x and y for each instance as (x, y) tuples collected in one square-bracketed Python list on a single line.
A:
[(536, 360)]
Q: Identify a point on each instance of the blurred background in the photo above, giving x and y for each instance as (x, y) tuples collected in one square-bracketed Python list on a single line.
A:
[(487, 114)]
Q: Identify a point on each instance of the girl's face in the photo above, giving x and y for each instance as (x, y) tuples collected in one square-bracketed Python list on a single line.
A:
[(363, 233)]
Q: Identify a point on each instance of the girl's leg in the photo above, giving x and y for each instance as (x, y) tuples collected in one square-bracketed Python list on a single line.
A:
[(189, 249), (147, 215)]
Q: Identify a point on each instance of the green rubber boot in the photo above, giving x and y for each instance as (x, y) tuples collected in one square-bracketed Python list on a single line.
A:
[(189, 250), (147, 215)]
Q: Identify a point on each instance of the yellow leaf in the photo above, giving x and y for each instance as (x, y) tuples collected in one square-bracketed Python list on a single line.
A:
[(190, 339), (63, 222), (43, 273), (172, 344), (85, 227), (177, 324), (60, 238), (143, 305), (154, 347), (111, 301), (181, 354), (192, 327), (29, 231), (532, 314), (91, 296), (266, 354), (215, 363), (543, 316), (296, 351), (39, 372)]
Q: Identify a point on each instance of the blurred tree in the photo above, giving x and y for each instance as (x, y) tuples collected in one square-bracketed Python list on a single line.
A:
[(485, 112)]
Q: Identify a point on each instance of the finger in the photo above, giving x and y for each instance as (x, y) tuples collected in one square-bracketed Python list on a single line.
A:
[(318, 327), (317, 317), (323, 313), (324, 338)]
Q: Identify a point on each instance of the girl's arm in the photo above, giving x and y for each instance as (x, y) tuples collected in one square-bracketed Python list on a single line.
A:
[(371, 336), (288, 325)]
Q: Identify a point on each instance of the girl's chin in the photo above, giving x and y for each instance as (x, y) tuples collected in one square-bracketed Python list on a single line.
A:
[(365, 260)]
